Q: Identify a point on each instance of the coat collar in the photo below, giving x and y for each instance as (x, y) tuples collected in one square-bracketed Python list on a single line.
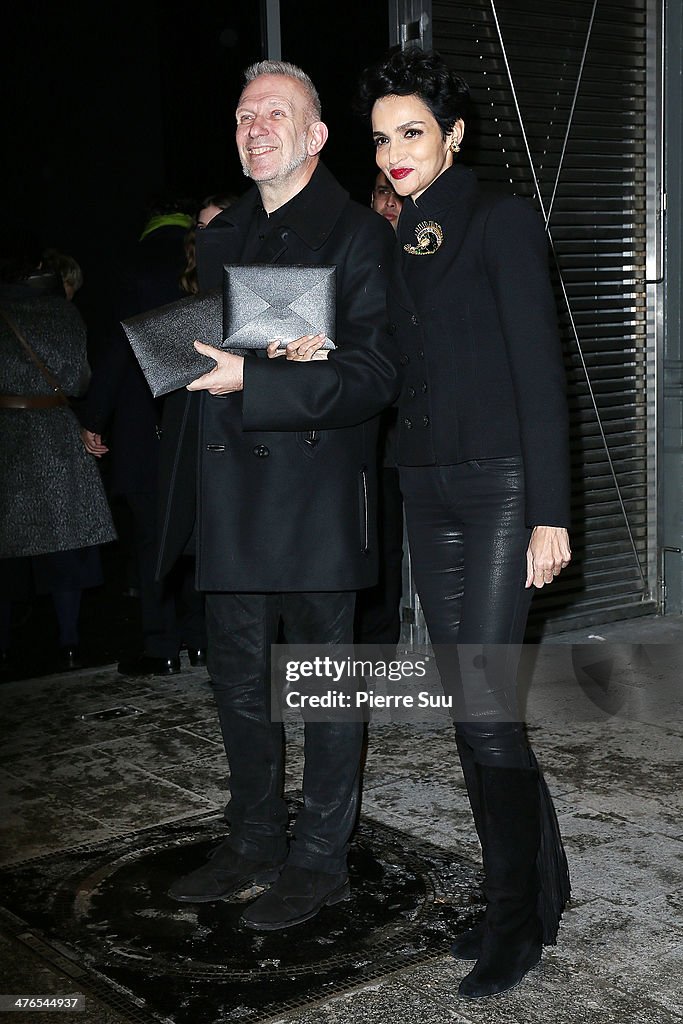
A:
[(457, 184), (450, 201), (311, 214)]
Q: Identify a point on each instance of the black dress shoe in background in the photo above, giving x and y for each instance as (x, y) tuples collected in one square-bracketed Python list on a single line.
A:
[(70, 659), (149, 665), (197, 656)]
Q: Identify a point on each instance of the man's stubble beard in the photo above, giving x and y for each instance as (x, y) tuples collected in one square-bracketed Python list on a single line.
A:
[(294, 164)]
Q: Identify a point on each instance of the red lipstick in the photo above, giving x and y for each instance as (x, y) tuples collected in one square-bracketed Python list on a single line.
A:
[(400, 172)]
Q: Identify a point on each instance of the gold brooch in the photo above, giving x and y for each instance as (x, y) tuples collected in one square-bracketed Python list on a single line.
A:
[(429, 236)]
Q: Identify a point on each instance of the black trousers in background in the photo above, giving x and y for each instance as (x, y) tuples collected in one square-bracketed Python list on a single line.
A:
[(468, 542), (378, 608), (172, 611), (240, 630)]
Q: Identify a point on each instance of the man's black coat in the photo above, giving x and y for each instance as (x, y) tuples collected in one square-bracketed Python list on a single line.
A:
[(277, 512)]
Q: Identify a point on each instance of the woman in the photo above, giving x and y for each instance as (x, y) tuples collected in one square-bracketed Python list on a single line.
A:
[(53, 510), (482, 452)]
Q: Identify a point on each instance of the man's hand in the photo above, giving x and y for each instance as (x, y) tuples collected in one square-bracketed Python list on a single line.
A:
[(301, 349), (93, 443), (227, 376)]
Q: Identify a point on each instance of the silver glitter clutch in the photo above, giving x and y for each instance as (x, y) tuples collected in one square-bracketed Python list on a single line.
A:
[(263, 302), (162, 340)]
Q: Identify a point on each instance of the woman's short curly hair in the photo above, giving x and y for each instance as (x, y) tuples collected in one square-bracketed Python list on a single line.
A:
[(416, 72)]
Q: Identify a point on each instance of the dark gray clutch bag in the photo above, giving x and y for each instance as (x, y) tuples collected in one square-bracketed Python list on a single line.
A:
[(162, 340), (263, 302), (258, 304)]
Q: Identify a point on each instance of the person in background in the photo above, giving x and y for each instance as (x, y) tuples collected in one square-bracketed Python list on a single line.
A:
[(385, 200), (210, 208), (66, 267), (53, 510), (484, 469), (119, 407), (378, 609)]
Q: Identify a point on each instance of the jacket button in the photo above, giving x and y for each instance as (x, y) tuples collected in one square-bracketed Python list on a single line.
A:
[(411, 392), (408, 423), (425, 421), (405, 359), (415, 320), (424, 386), (421, 353), (391, 328), (261, 451)]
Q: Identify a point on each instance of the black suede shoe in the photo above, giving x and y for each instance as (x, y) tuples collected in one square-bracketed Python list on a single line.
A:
[(296, 896), (223, 875), (148, 665), (467, 945), (197, 656)]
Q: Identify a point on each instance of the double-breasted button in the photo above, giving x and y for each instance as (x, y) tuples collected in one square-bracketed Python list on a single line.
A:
[(411, 392), (415, 320), (425, 421), (421, 353), (407, 423), (391, 328), (424, 386), (405, 359), (261, 451)]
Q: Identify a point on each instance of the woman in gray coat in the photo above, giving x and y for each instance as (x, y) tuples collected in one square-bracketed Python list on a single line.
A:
[(53, 509)]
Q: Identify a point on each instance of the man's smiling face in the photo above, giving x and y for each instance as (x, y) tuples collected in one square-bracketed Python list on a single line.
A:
[(273, 117)]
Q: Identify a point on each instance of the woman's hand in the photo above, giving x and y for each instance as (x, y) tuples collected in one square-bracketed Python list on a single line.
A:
[(93, 443), (301, 349), (548, 553)]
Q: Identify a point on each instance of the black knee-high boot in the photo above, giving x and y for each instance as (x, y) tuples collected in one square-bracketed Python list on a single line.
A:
[(467, 945), (513, 933), (551, 860)]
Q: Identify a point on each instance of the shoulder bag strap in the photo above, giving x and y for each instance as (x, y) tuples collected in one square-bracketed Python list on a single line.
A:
[(45, 373)]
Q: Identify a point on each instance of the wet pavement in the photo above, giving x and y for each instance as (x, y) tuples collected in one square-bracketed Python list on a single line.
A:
[(112, 785)]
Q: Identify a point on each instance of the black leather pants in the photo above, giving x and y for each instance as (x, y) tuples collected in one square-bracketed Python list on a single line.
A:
[(241, 628), (468, 542)]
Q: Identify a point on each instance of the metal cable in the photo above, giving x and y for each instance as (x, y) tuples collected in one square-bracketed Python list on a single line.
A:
[(571, 113)]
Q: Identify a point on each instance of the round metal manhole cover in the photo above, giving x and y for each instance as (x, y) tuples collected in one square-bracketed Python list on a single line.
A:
[(128, 915)]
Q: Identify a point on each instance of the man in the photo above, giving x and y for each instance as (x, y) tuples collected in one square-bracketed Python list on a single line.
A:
[(385, 200), (284, 492)]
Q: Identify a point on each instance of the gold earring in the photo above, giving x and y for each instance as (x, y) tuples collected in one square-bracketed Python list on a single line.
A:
[(455, 146)]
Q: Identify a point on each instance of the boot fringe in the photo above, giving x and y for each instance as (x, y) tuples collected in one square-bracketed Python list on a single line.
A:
[(551, 863)]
